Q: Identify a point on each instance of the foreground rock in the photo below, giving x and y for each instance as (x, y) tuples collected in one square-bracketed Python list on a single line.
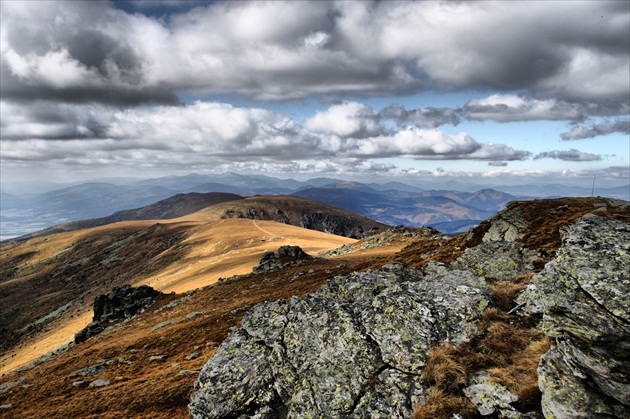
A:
[(120, 303), (354, 349), (583, 296)]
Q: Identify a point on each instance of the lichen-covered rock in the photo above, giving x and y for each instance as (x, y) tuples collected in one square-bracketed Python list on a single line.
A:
[(354, 349), (490, 397), (583, 297), (508, 225), (500, 260)]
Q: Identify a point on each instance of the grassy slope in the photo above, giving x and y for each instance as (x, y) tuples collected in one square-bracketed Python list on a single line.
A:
[(145, 388)]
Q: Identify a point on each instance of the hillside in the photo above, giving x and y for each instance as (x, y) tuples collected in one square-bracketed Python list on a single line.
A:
[(176, 206), (146, 366), (61, 273)]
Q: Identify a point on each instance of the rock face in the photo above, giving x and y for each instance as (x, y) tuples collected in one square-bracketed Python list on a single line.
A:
[(121, 302), (356, 348), (287, 255), (333, 224), (583, 297)]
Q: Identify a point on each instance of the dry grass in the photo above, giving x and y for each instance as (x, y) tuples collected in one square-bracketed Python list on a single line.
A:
[(505, 346), (442, 405)]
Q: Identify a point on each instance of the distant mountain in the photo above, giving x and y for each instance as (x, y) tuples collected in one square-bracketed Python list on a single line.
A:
[(23, 211), (173, 207), (411, 209)]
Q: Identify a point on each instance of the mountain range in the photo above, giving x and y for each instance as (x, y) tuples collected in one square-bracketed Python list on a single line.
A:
[(450, 210)]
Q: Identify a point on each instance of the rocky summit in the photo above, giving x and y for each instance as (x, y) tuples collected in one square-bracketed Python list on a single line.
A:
[(359, 346)]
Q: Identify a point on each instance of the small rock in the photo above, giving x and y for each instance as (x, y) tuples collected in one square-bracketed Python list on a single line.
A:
[(100, 383), (78, 383), (164, 324), (193, 355), (91, 370), (157, 357)]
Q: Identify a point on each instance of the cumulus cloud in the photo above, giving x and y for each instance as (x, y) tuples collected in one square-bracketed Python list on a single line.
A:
[(580, 132), (224, 132), (350, 119), (283, 50), (497, 163), (568, 155), (432, 144)]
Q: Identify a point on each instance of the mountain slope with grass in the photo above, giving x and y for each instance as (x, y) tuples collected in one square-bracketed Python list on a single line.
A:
[(380, 302)]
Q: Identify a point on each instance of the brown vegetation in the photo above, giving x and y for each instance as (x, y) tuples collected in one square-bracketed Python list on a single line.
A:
[(505, 345)]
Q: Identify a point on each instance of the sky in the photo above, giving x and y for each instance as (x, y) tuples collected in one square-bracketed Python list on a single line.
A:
[(494, 92)]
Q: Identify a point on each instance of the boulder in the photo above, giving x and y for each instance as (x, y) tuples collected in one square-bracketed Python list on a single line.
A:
[(354, 349), (121, 302), (287, 255), (124, 302), (583, 296)]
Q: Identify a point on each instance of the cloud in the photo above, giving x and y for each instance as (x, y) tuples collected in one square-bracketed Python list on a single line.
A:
[(580, 132), (568, 155), (422, 144), (428, 117), (576, 52), (220, 132), (347, 120), (497, 163), (509, 108)]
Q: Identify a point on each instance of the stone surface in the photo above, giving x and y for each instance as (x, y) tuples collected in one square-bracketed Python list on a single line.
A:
[(287, 255), (583, 296), (508, 225), (353, 349), (490, 397), (100, 383), (500, 260), (121, 302)]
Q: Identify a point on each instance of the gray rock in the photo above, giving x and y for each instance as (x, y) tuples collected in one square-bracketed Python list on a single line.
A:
[(91, 370), (164, 324), (508, 225), (124, 302), (354, 349), (120, 303), (157, 357), (92, 329), (100, 383), (491, 397), (500, 260), (583, 297), (287, 255)]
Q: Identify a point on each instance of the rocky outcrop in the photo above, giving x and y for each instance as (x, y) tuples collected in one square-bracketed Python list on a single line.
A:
[(123, 302), (120, 303), (356, 348), (583, 296), (331, 223), (287, 255)]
